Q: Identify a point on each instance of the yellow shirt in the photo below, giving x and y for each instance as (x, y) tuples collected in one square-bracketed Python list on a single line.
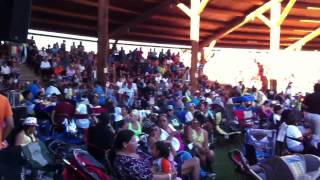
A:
[(198, 138), (22, 139)]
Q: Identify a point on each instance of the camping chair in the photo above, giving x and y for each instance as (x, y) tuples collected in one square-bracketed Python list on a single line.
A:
[(259, 144), (222, 129)]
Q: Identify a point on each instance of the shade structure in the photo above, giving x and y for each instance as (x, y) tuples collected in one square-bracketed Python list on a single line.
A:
[(161, 21)]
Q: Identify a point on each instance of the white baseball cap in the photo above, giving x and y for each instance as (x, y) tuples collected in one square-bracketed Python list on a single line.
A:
[(30, 121)]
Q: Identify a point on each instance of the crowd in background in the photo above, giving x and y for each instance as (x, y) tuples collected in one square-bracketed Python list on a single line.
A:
[(149, 119)]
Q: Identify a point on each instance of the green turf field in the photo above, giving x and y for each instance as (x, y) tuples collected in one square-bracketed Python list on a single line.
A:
[(223, 166)]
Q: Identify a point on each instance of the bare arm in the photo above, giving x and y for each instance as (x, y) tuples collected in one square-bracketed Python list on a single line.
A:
[(205, 143), (188, 134), (9, 126), (52, 116), (164, 176), (18, 140), (8, 119)]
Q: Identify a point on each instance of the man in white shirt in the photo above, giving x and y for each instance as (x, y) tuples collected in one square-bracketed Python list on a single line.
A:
[(82, 120), (294, 136), (52, 90), (293, 133), (5, 69), (189, 114), (45, 64), (45, 67), (130, 92), (158, 78), (43, 53)]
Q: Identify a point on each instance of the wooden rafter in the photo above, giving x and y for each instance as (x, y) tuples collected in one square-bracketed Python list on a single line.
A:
[(256, 27), (63, 13), (177, 30), (203, 4), (55, 22), (95, 4), (256, 13), (159, 36), (167, 22), (145, 16), (299, 44), (237, 23), (286, 11), (264, 19)]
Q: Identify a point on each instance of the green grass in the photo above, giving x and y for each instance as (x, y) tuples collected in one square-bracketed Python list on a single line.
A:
[(223, 166)]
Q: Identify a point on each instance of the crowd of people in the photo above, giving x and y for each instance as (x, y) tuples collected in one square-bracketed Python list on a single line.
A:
[(150, 121)]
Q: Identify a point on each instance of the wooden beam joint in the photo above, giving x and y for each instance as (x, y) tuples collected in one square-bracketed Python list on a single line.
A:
[(286, 11), (239, 23)]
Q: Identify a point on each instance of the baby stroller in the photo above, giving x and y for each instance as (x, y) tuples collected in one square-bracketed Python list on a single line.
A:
[(291, 167), (259, 145), (79, 164)]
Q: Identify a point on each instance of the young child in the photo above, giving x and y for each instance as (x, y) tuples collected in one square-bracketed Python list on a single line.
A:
[(161, 153), (163, 163)]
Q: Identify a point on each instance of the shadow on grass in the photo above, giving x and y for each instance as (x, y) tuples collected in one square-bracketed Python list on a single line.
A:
[(223, 166)]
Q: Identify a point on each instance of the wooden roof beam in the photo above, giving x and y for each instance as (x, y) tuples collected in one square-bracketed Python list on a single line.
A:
[(54, 22), (291, 28), (181, 18), (62, 12), (142, 34), (253, 2), (299, 44), (286, 11), (123, 10), (95, 4), (259, 37), (219, 10), (143, 17), (238, 22), (203, 4), (84, 2), (250, 42), (304, 5)]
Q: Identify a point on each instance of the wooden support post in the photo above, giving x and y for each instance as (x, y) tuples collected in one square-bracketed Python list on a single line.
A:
[(194, 64), (194, 12), (194, 37), (103, 40), (275, 14)]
